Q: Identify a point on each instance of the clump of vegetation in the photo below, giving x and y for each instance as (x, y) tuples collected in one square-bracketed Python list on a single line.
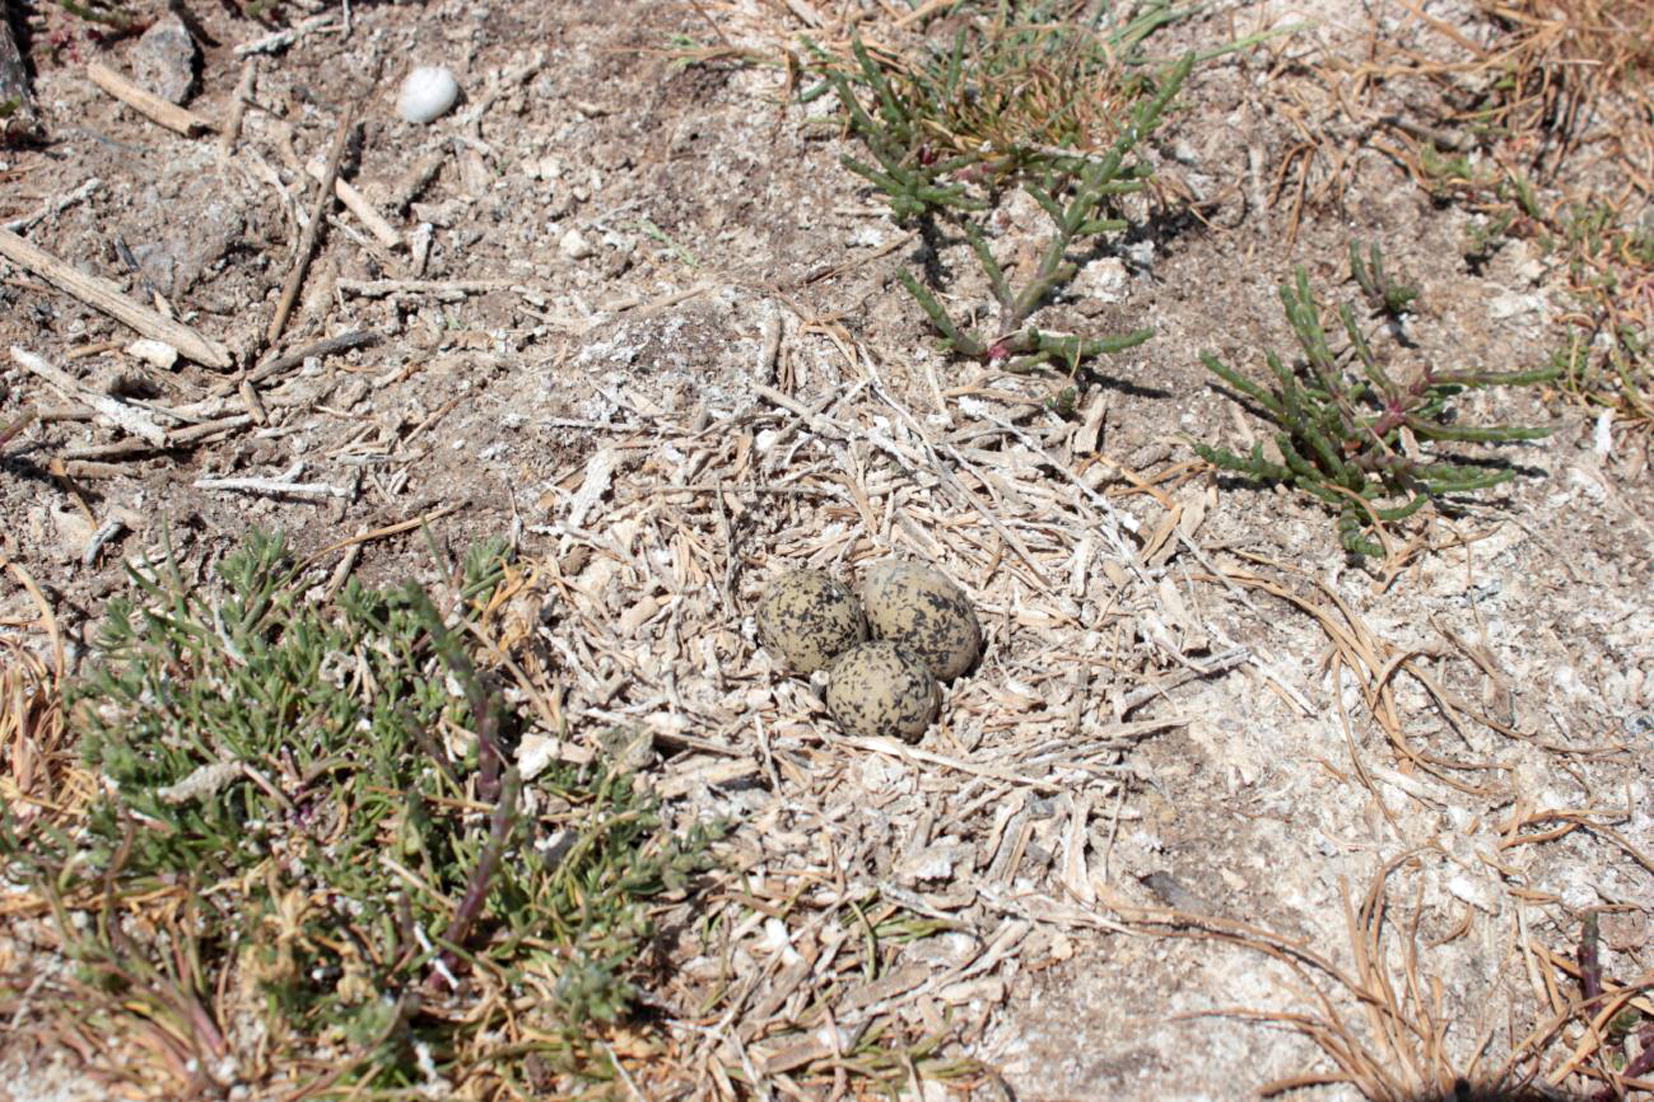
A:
[(311, 818), (1351, 434), (1619, 1030), (1549, 80), (1026, 100), (1608, 358), (1605, 250), (1384, 295), (113, 15), (1550, 59)]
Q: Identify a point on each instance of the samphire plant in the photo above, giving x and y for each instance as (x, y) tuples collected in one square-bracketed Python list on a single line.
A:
[(309, 816), (1352, 434), (1048, 106)]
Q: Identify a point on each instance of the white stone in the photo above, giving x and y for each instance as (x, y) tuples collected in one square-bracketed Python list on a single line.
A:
[(159, 353), (1477, 893), (165, 59), (1510, 304), (575, 246), (427, 94), (1103, 280)]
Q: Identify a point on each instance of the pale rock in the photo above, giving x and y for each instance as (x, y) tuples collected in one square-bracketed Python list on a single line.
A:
[(930, 864), (1510, 304), (1602, 435), (574, 245), (74, 532), (428, 93), (157, 353), (986, 989), (927, 1090), (1103, 280), (1477, 893), (164, 59)]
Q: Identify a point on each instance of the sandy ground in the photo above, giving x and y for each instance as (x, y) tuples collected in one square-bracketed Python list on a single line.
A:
[(640, 319)]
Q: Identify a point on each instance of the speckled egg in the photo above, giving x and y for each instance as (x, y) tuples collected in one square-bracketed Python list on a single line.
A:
[(920, 608), (879, 689), (807, 618)]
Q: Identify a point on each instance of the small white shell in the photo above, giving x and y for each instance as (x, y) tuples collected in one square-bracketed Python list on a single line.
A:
[(427, 94)]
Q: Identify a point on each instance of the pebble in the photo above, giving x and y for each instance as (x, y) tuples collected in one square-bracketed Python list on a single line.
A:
[(575, 246), (427, 94), (157, 353), (164, 59)]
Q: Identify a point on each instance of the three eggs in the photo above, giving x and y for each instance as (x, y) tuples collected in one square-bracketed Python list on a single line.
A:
[(885, 649)]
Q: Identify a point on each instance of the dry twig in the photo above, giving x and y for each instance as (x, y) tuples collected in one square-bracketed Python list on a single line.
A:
[(283, 485), (312, 231), (151, 106), (103, 295), (126, 416)]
